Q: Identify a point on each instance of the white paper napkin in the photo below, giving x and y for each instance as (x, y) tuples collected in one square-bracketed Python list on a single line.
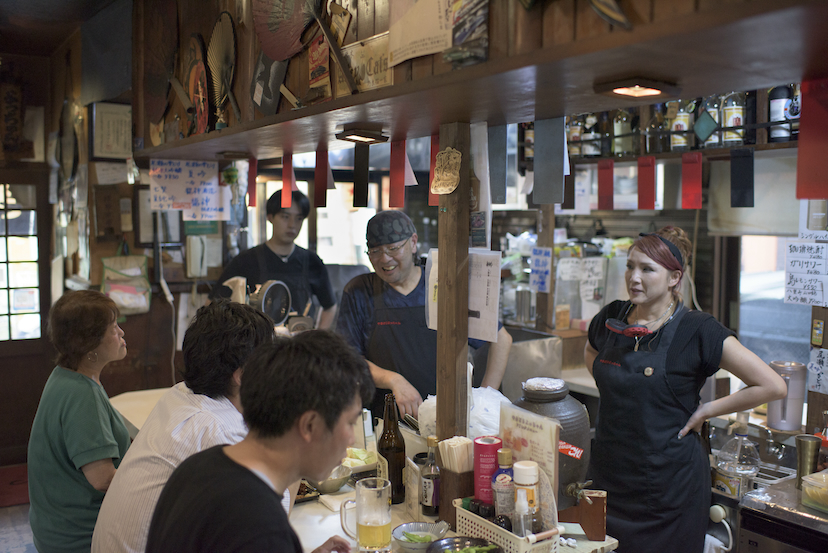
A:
[(334, 501)]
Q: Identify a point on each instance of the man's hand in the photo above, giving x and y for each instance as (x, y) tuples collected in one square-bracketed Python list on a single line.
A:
[(334, 543), (407, 396)]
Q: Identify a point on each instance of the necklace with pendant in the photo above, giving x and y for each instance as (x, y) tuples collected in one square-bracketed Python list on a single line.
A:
[(285, 258), (638, 338)]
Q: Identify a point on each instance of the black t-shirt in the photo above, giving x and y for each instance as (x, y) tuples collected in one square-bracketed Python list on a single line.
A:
[(303, 273), (211, 504), (694, 354)]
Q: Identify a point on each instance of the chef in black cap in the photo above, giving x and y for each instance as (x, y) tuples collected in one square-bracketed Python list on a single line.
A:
[(382, 315)]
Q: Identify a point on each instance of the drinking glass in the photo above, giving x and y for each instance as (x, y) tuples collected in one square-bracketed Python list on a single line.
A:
[(373, 515)]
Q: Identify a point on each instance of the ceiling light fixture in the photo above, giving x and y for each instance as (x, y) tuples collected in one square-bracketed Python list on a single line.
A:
[(362, 133), (637, 87)]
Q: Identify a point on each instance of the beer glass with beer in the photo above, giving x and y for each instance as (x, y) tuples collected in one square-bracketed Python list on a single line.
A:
[(373, 515)]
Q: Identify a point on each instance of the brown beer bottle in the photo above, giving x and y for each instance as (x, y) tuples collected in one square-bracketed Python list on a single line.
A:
[(392, 447)]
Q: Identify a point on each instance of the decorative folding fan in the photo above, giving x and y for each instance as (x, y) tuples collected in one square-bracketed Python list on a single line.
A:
[(221, 59)]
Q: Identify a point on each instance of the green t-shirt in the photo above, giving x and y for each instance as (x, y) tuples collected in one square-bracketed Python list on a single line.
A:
[(75, 425)]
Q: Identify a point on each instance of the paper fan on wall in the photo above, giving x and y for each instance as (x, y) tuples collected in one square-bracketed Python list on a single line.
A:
[(195, 79), (279, 24), (221, 59)]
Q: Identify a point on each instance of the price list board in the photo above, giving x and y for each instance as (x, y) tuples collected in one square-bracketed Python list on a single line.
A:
[(806, 273)]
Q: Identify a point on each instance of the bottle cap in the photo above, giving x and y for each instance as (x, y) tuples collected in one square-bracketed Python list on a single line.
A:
[(504, 456), (487, 510), (431, 441), (525, 472)]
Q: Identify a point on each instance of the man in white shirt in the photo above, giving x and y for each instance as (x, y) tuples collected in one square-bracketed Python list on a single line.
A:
[(201, 412)]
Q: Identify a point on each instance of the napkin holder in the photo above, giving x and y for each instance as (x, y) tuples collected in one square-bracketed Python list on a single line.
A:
[(453, 485)]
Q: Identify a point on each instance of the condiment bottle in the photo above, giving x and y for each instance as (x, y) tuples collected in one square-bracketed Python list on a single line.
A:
[(392, 448), (430, 481), (526, 479), (503, 485)]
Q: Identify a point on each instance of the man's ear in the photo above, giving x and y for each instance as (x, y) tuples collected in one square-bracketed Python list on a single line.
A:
[(308, 425), (237, 376)]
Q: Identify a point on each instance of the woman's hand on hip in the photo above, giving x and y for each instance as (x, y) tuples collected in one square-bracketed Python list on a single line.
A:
[(695, 422)]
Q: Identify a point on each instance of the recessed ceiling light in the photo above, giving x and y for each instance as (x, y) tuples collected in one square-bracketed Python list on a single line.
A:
[(637, 87)]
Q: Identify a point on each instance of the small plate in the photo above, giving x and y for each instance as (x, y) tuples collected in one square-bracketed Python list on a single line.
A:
[(458, 544), (435, 529)]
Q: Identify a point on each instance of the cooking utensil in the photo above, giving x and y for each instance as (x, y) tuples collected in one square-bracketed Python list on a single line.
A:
[(412, 422), (459, 543)]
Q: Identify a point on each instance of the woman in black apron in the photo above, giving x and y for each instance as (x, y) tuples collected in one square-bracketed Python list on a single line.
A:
[(650, 357)]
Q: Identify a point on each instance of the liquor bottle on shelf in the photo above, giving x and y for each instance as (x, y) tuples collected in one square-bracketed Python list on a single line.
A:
[(605, 130), (733, 115), (391, 446), (658, 140), (574, 129), (795, 110), (713, 105), (591, 137), (430, 480), (624, 141), (529, 142), (682, 138), (779, 103)]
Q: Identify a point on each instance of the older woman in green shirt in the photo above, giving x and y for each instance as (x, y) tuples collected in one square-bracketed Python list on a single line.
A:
[(78, 439)]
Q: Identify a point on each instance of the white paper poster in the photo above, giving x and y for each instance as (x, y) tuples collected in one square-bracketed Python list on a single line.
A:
[(806, 272), (541, 266), (818, 369), (191, 187), (418, 28)]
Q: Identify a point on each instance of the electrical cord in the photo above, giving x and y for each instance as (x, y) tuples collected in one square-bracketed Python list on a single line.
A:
[(171, 300), (718, 514)]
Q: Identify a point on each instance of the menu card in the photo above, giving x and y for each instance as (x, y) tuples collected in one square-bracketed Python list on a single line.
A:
[(531, 437)]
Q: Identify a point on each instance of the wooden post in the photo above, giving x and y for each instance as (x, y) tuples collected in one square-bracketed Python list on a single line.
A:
[(453, 292), (544, 320)]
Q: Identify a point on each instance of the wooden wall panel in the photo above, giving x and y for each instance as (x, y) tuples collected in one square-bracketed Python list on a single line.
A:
[(365, 19), (558, 22), (402, 72), (667, 9), (704, 5), (247, 52), (422, 67), (351, 6), (499, 16), (528, 28), (639, 12), (588, 24), (381, 16)]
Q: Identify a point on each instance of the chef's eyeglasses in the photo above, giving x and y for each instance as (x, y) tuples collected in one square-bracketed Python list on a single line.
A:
[(376, 253)]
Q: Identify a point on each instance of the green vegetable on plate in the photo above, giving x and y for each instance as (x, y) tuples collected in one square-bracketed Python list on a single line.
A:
[(477, 549), (418, 538)]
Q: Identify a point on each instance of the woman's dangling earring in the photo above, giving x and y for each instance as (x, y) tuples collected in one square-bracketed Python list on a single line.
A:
[(89, 357)]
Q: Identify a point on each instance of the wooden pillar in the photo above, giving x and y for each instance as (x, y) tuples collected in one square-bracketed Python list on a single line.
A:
[(544, 320), (453, 292)]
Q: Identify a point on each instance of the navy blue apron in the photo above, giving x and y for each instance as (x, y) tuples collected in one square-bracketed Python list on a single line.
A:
[(401, 342), (297, 283), (658, 487)]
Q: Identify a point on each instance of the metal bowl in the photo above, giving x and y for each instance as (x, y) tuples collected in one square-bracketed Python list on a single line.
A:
[(458, 544), (435, 530), (333, 482)]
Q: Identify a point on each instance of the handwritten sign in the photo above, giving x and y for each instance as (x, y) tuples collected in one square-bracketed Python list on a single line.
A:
[(191, 187), (818, 367), (541, 266), (569, 268), (806, 272)]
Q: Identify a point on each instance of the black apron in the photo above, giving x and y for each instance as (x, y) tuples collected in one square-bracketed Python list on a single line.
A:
[(297, 283), (401, 342), (658, 487)]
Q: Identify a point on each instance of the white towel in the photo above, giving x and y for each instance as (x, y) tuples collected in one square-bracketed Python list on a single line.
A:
[(712, 544), (334, 501)]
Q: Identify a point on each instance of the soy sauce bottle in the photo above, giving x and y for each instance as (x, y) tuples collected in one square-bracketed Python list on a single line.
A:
[(392, 447)]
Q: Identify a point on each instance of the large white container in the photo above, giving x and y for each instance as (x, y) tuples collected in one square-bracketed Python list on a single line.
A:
[(786, 413)]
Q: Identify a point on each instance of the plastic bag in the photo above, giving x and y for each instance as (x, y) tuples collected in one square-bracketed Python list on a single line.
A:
[(484, 413)]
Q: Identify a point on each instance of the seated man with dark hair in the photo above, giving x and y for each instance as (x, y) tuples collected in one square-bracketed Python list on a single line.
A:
[(301, 399), (202, 411)]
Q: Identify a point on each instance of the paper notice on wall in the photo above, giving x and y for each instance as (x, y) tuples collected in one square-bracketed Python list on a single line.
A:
[(806, 272), (484, 293), (568, 268), (818, 367), (418, 28), (191, 187), (541, 267)]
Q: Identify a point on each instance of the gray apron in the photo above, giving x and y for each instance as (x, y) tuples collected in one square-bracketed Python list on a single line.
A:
[(658, 487)]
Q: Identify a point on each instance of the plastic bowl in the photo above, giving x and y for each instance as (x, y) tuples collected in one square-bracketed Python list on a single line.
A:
[(435, 530), (333, 482)]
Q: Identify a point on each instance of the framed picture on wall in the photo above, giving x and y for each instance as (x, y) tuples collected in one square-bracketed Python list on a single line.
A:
[(110, 135), (168, 224)]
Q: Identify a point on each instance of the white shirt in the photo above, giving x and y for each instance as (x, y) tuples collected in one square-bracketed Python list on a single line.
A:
[(181, 424)]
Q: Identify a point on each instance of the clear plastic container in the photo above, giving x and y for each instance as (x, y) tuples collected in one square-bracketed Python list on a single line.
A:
[(737, 462), (815, 490)]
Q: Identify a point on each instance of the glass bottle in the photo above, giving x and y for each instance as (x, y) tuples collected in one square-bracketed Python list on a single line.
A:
[(795, 110), (392, 448), (503, 485), (733, 115), (682, 125), (591, 137), (623, 143), (605, 132), (779, 103), (713, 106), (574, 129), (430, 480), (657, 140)]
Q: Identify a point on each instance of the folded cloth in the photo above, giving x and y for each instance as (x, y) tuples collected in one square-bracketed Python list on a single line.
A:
[(713, 544), (334, 501)]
